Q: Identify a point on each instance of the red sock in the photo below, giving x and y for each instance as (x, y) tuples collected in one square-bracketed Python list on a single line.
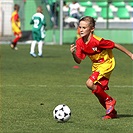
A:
[(102, 102), (16, 40), (101, 94)]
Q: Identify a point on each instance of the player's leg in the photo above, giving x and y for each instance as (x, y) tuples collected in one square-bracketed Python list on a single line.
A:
[(33, 44), (18, 34), (40, 47), (99, 92), (106, 101), (90, 85), (102, 102), (41, 37), (32, 48), (16, 39), (104, 86)]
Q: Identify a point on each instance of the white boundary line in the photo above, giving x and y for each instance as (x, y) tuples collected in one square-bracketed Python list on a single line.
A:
[(71, 86)]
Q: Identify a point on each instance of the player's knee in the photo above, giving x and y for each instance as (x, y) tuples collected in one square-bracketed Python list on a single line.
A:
[(20, 35), (89, 84)]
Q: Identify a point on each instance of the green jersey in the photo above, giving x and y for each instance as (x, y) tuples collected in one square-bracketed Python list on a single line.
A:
[(39, 24)]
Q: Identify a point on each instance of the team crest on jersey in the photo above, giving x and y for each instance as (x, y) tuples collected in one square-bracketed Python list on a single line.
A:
[(94, 48)]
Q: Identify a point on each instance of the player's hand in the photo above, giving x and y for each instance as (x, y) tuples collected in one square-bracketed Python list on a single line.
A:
[(72, 48), (132, 56)]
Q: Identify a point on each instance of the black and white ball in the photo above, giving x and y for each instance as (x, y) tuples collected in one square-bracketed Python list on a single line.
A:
[(62, 113)]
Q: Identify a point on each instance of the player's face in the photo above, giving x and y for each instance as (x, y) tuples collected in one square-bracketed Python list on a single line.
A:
[(85, 29)]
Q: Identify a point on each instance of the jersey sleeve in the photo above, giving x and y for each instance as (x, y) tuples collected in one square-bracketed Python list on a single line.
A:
[(31, 22), (16, 17), (106, 44), (79, 51)]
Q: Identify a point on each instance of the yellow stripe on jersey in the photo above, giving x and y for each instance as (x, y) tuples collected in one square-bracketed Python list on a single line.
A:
[(98, 38), (15, 24)]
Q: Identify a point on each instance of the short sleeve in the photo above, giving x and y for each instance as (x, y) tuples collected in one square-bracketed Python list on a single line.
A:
[(31, 22), (106, 44), (79, 51), (16, 17)]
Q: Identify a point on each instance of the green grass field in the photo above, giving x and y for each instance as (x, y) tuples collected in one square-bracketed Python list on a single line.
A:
[(30, 88)]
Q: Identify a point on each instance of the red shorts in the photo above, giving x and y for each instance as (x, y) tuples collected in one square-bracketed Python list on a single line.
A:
[(15, 33), (103, 81)]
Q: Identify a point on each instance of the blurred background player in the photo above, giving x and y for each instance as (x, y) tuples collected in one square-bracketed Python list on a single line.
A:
[(38, 32), (55, 12), (16, 26), (74, 8)]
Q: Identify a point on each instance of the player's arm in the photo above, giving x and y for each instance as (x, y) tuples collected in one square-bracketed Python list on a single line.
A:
[(72, 49), (17, 20), (31, 22), (123, 49)]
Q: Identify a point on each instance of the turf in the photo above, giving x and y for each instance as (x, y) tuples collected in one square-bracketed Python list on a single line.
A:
[(30, 88)]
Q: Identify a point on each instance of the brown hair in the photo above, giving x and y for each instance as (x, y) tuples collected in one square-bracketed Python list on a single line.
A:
[(16, 7), (90, 20), (39, 9)]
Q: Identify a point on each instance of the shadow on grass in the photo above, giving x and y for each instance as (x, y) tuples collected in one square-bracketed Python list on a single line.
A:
[(65, 122), (124, 115)]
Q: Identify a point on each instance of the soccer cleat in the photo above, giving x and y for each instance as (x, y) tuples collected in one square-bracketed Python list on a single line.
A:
[(40, 55), (12, 46), (112, 115), (33, 55), (15, 48), (110, 105)]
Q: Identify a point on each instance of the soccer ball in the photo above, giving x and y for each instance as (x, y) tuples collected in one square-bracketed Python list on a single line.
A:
[(62, 113)]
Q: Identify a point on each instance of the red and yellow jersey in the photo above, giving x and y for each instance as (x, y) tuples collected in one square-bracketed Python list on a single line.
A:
[(15, 20), (99, 51)]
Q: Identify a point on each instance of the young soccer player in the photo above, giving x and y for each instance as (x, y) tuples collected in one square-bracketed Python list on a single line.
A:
[(38, 32), (99, 51), (16, 26)]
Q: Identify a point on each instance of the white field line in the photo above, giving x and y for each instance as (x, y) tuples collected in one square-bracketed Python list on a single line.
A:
[(68, 86)]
